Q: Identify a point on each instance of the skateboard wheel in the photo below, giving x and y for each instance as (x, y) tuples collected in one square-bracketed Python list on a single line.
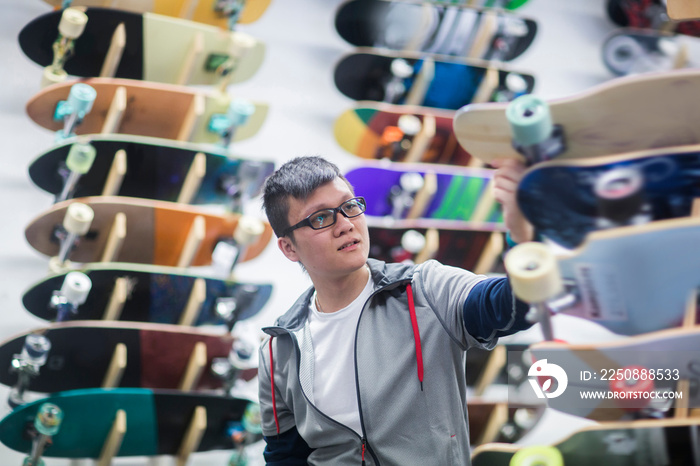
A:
[(51, 76), (239, 111), (626, 386), (516, 83), (411, 182), (252, 420), (80, 157), (409, 124), (72, 23), (401, 69), (48, 419), (413, 241), (78, 218), (81, 98), (76, 287), (537, 456), (530, 120), (533, 272), (621, 53), (620, 193), (36, 349), (248, 230)]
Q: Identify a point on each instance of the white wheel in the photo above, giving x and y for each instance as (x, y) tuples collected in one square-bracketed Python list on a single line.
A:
[(621, 53), (72, 23), (80, 157), (51, 76), (409, 124), (413, 241), (78, 218), (76, 287), (56, 266), (619, 183), (401, 69), (411, 182), (248, 230), (533, 272)]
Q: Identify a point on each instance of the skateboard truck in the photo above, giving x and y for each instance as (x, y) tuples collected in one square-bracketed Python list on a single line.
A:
[(73, 293), (246, 184), (79, 160), (70, 27), (534, 135), (46, 424), (402, 195), (228, 252), (395, 88), (72, 111), (396, 140), (240, 358), (230, 308), (76, 223), (225, 126), (27, 364), (620, 196)]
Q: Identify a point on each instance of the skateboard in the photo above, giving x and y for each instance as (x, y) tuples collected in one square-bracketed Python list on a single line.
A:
[(152, 294), (631, 51), (143, 109), (631, 280), (157, 422), (637, 443), (383, 131), (154, 356), (412, 79), (156, 48), (505, 4), (501, 421), (202, 12), (648, 14), (453, 30), (150, 232), (567, 199), (412, 191), (152, 169), (626, 114), (477, 251), (671, 355)]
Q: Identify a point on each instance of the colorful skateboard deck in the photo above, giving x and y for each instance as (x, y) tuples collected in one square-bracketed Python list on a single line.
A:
[(156, 47), (157, 355), (671, 354), (368, 132), (156, 421), (156, 294), (505, 4), (155, 169), (454, 30), (635, 279), (631, 51), (627, 114), (203, 12), (365, 74), (156, 231), (459, 194), (636, 443), (561, 198), (149, 110)]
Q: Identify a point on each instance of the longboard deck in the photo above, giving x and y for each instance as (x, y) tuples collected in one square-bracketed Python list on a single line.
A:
[(155, 169), (156, 422), (363, 74), (156, 294), (149, 111), (156, 231), (627, 114), (156, 47), (156, 355)]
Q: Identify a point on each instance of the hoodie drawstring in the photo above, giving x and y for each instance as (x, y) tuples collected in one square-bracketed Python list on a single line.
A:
[(416, 334), (272, 383)]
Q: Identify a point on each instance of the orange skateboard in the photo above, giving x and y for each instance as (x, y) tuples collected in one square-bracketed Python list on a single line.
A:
[(141, 231)]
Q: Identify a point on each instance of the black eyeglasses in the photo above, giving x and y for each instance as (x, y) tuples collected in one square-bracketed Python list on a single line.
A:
[(325, 218)]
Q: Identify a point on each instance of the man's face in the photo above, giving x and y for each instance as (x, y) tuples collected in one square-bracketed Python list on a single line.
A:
[(331, 252)]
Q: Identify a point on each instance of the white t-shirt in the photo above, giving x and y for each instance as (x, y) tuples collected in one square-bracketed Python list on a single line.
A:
[(333, 337)]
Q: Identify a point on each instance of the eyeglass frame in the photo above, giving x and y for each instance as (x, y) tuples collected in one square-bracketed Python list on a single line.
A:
[(307, 223)]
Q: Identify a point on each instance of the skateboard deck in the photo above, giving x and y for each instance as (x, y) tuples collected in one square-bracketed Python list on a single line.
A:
[(203, 12), (626, 114), (155, 169), (561, 197), (157, 355), (457, 194), (155, 50), (365, 74), (369, 131), (507, 416), (156, 422), (155, 294), (636, 443), (156, 231), (149, 110), (671, 354), (635, 279), (505, 4), (453, 30)]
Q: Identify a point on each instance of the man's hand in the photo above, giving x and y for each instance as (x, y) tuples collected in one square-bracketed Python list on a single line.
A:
[(508, 174)]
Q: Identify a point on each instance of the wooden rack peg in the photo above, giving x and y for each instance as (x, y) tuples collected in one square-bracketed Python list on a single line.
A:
[(422, 140), (489, 255), (194, 239), (195, 367), (432, 244), (195, 175), (488, 84), (188, 8), (115, 240), (188, 64), (683, 10), (487, 201), (193, 435), (114, 53), (494, 364), (498, 418), (488, 26), (421, 84), (195, 302), (192, 117), (116, 367), (114, 439), (115, 112), (424, 196), (116, 174), (117, 299)]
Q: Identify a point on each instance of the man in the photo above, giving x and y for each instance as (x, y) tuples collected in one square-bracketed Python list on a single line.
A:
[(367, 367)]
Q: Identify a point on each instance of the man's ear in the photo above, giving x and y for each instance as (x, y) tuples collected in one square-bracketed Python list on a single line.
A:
[(288, 249)]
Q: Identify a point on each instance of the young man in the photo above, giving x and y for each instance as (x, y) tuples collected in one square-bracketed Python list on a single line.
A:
[(367, 367)]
